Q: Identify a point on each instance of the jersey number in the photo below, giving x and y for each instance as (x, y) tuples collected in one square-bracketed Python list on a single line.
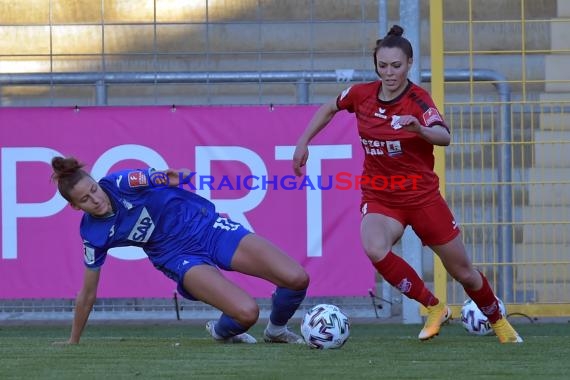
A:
[(226, 224)]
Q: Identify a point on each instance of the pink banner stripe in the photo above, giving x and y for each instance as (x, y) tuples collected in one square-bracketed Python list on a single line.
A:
[(41, 252)]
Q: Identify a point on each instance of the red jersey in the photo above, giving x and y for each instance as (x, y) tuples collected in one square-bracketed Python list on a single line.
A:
[(398, 165)]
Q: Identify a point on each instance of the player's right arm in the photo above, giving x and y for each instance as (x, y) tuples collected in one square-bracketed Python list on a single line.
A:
[(319, 121), (94, 258), (84, 303)]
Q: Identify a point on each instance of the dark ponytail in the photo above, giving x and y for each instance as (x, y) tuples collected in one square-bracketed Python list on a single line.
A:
[(66, 173)]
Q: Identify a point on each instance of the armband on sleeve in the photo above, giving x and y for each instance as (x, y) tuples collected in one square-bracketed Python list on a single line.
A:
[(93, 257)]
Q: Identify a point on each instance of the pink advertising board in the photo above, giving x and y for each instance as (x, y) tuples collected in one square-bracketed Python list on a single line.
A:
[(315, 219)]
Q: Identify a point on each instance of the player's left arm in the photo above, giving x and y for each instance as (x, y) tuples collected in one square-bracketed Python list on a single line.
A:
[(425, 120), (435, 134), (136, 180), (170, 177)]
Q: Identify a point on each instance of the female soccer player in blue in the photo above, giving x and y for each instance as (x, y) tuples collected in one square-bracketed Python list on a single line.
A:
[(187, 240)]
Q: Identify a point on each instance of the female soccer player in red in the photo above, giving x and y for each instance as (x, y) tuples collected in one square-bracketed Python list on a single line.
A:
[(398, 125)]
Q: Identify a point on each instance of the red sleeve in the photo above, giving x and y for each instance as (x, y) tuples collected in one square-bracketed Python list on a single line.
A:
[(430, 115), (345, 100)]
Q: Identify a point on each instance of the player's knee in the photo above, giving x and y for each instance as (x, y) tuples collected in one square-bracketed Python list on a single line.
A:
[(300, 280), (247, 314), (376, 252)]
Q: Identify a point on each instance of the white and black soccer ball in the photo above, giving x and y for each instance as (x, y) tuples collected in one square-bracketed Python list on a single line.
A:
[(474, 321), (325, 326)]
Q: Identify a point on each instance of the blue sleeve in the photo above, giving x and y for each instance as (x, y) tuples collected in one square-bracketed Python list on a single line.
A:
[(93, 257), (131, 180)]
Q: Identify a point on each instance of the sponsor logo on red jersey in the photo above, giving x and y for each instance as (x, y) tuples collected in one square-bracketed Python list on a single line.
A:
[(393, 147), (431, 116), (381, 113), (137, 179)]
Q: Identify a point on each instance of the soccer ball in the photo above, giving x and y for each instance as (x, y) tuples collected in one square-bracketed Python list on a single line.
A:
[(474, 321), (325, 326)]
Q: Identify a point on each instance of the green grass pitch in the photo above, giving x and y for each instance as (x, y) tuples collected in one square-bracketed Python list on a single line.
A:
[(375, 350)]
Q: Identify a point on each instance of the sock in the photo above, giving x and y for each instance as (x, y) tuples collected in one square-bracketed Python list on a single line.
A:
[(485, 299), (403, 277), (227, 327), (284, 303)]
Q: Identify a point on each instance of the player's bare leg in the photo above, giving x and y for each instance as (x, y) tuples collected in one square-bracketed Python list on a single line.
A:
[(258, 257), (239, 309)]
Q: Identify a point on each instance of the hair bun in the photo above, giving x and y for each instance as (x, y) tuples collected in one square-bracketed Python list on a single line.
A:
[(64, 167), (58, 163), (395, 30)]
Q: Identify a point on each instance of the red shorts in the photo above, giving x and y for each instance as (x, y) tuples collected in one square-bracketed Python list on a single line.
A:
[(434, 223)]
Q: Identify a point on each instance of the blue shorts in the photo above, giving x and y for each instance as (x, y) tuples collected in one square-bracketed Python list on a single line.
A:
[(220, 242)]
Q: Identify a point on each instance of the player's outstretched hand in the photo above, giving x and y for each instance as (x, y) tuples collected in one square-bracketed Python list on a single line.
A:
[(64, 343)]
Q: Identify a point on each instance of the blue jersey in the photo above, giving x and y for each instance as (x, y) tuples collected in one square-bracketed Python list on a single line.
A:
[(164, 221)]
